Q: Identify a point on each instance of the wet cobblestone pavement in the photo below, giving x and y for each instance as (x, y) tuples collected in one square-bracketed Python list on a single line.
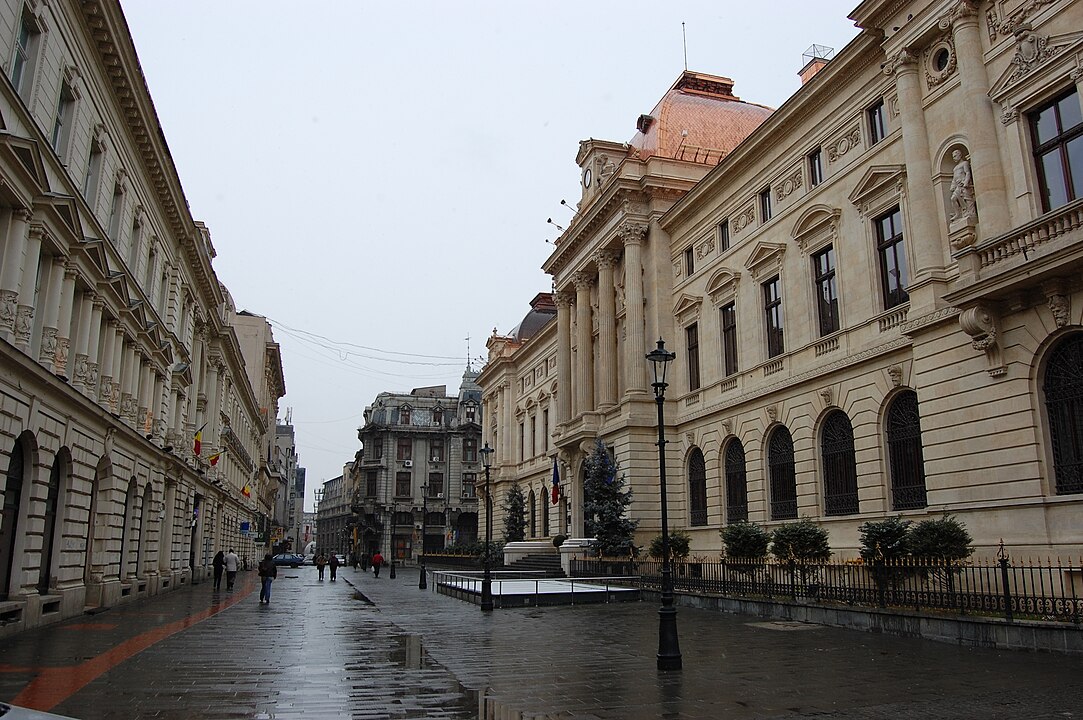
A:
[(364, 647)]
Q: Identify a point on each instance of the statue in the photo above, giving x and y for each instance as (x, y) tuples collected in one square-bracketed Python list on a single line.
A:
[(962, 189)]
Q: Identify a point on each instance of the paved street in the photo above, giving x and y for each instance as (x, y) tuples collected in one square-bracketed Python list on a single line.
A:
[(379, 648)]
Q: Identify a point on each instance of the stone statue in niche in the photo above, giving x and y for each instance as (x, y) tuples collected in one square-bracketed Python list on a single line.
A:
[(962, 189)]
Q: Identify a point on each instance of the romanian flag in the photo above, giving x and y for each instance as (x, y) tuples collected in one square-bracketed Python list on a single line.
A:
[(246, 491), (197, 445), (556, 483), (213, 458)]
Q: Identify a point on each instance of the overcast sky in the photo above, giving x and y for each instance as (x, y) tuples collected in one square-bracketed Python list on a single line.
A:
[(377, 177)]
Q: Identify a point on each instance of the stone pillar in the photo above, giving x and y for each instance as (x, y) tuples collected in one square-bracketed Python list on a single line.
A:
[(606, 366), (24, 315), (11, 272), (145, 394), (990, 193), (584, 342), (105, 379), (507, 409), (157, 410), (93, 365), (51, 315), (165, 546), (635, 362), (925, 228), (564, 356), (64, 322), (128, 368), (82, 340), (117, 390)]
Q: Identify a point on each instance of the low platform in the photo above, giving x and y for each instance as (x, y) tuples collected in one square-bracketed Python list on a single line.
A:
[(526, 589)]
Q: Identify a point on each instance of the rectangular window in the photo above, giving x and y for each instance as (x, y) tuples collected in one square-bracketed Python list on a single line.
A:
[(877, 130), (545, 430), (163, 288), (729, 338), (93, 175), (404, 416), (522, 441), (470, 449), (765, 204), (815, 168), (405, 449), (471, 413), (370, 483), (1057, 132), (772, 307), (724, 235), (65, 109), (151, 271), (436, 485), (470, 481), (893, 270), (689, 262), (25, 56), (691, 336), (379, 451), (827, 297), (533, 435), (115, 210), (403, 484), (436, 450)]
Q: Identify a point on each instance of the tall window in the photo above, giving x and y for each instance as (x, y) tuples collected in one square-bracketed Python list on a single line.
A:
[(877, 129), (533, 435), (379, 449), (827, 296), (25, 56), (65, 108), (1057, 130), (729, 338), (783, 477), (471, 412), (724, 235), (697, 488), (522, 441), (907, 463), (691, 336), (815, 168), (736, 483), (115, 211), (436, 485), (403, 484), (772, 308), (370, 483), (404, 416), (405, 449), (436, 450), (765, 204), (93, 174), (437, 416), (545, 430), (689, 262), (894, 275), (1063, 388), (470, 481), (840, 465), (470, 449)]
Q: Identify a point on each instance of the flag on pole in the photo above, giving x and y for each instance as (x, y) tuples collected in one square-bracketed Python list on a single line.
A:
[(197, 445), (556, 483), (246, 491), (213, 458)]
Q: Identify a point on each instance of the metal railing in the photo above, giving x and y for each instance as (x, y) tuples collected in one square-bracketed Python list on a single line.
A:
[(1036, 590), (521, 583)]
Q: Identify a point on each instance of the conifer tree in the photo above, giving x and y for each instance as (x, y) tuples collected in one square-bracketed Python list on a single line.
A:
[(514, 515), (605, 503)]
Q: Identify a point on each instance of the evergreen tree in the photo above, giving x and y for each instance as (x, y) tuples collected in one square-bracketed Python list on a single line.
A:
[(514, 515), (605, 502)]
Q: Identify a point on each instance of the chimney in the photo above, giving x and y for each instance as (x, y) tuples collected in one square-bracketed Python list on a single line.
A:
[(815, 58)]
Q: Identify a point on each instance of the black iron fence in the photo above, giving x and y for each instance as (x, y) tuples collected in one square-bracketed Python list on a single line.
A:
[(1013, 590)]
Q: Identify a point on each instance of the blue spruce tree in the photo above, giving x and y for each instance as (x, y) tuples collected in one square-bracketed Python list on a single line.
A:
[(605, 502)]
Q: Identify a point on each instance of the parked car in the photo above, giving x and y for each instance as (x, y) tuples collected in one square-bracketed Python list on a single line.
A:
[(10, 712), (290, 559), (341, 558)]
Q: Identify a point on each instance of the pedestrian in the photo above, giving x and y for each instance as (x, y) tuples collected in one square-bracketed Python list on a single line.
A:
[(267, 573), (377, 561), (366, 562), (218, 563), (320, 561), (232, 563), (333, 564)]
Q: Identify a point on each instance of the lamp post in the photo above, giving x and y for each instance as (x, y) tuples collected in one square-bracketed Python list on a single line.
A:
[(422, 584), (669, 649), (394, 520), (487, 579)]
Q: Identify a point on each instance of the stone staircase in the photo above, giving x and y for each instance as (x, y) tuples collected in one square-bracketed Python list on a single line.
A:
[(548, 563)]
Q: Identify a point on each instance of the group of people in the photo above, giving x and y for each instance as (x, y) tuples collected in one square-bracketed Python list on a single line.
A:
[(321, 561), (229, 563)]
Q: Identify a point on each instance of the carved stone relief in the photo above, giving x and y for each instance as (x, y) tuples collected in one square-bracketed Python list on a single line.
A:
[(980, 324), (828, 396), (788, 185), (743, 219), (705, 248), (844, 143), (1002, 21), (895, 373), (940, 61)]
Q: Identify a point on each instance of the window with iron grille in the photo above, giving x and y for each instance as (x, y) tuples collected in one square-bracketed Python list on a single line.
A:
[(736, 483), (403, 484), (840, 465), (697, 488), (906, 461), (893, 268), (772, 308), (1063, 388), (827, 295), (691, 335), (729, 338), (783, 476), (1057, 132)]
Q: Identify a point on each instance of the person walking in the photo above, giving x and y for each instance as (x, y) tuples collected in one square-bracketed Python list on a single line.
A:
[(232, 563), (377, 561), (332, 562), (218, 563), (267, 573), (321, 561)]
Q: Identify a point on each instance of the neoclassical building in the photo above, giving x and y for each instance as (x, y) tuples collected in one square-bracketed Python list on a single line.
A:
[(116, 348), (874, 297)]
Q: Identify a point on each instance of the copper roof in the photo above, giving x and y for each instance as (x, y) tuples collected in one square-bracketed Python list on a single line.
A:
[(698, 119)]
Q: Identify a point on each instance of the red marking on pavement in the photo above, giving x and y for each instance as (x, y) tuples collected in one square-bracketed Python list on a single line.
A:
[(5, 668), (52, 686), (88, 626)]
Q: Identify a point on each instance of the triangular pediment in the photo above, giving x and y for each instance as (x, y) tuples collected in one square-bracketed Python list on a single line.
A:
[(94, 251), (33, 180), (1032, 53), (875, 179), (687, 305), (765, 258), (63, 208)]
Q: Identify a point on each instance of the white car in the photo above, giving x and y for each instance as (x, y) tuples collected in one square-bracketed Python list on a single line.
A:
[(10, 712)]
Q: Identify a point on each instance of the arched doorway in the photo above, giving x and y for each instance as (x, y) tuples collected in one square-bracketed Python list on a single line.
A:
[(124, 570), (57, 476), (11, 525)]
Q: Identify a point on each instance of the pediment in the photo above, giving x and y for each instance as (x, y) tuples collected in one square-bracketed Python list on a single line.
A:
[(1032, 53), (27, 158), (875, 179), (687, 307), (766, 257), (117, 283), (816, 222), (63, 208), (723, 284), (94, 250), (137, 311)]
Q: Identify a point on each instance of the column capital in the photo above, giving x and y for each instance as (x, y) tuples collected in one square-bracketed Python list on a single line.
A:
[(901, 62), (582, 281), (606, 259), (632, 233), (961, 13), (563, 299)]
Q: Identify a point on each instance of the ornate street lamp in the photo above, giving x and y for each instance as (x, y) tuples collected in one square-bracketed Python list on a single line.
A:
[(669, 649), (487, 580), (394, 521), (422, 584)]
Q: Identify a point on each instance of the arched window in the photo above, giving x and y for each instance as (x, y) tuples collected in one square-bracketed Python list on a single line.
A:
[(697, 488), (1063, 389), (736, 483), (783, 477), (10, 525), (904, 452), (52, 502), (533, 510), (840, 465)]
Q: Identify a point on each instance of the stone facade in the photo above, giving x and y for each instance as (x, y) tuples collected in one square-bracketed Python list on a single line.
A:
[(115, 343), (874, 298)]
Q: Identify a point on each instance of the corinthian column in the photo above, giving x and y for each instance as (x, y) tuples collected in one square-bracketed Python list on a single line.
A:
[(63, 323), (93, 354), (990, 194), (607, 329), (24, 317), (925, 227), (11, 272), (564, 356), (50, 314), (584, 341), (635, 351), (82, 340), (108, 362)]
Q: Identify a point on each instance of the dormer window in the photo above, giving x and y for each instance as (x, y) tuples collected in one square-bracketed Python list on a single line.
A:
[(404, 416), (437, 416), (471, 413)]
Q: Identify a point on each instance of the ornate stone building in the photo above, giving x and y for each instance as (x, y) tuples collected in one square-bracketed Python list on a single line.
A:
[(115, 340), (874, 297)]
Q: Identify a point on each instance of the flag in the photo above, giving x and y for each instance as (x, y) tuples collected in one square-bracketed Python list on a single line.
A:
[(213, 458), (197, 445), (556, 483), (246, 491)]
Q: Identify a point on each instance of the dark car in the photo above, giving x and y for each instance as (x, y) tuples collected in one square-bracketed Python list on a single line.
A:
[(290, 559)]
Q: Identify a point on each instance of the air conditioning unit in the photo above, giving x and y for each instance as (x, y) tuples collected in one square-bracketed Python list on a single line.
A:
[(407, 463)]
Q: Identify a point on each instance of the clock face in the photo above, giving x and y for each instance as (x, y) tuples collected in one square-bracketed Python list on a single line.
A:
[(586, 178)]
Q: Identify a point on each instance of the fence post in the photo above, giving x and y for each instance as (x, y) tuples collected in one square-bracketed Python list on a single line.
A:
[(1002, 558), (880, 579), (793, 580)]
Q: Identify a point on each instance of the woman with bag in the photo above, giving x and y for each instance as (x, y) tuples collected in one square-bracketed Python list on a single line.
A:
[(267, 573), (377, 561)]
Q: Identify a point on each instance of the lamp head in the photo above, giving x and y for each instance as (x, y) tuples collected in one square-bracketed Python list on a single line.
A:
[(486, 456), (660, 359)]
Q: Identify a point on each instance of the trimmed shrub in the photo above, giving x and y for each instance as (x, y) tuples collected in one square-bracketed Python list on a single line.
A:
[(803, 541), (945, 539), (679, 545), (884, 539), (745, 540)]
